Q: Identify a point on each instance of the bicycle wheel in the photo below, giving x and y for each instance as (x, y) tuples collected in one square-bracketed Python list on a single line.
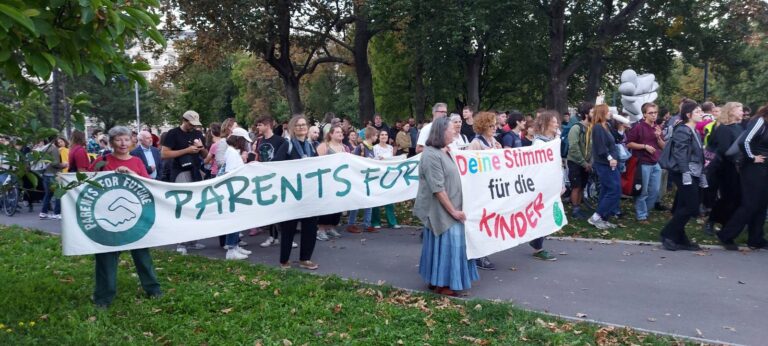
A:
[(11, 199)]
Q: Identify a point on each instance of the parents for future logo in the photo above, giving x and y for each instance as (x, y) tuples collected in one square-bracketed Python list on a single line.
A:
[(120, 213)]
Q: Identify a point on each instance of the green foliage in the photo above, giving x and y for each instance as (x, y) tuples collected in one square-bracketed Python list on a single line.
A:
[(114, 102), (208, 91), (77, 37), (332, 90), (258, 90), (46, 300)]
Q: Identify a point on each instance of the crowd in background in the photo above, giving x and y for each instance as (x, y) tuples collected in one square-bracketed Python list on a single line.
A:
[(604, 156)]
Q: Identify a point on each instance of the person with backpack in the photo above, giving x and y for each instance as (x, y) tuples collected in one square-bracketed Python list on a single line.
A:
[(686, 166), (578, 157), (646, 141), (754, 187)]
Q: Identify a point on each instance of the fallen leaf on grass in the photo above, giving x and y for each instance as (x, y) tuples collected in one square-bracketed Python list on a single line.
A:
[(226, 311), (92, 319), (148, 334), (581, 315), (337, 309), (478, 307), (476, 341), (44, 317), (241, 278), (287, 342), (156, 310), (276, 292)]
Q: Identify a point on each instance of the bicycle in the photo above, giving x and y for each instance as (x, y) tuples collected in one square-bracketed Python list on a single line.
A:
[(9, 195)]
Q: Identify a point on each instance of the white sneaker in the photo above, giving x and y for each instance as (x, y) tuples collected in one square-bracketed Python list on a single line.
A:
[(597, 221), (197, 246), (44, 216), (242, 251), (610, 225), (294, 245), (321, 236), (181, 249), (397, 226), (377, 226), (233, 254), (269, 242), (242, 243), (334, 233), (54, 216)]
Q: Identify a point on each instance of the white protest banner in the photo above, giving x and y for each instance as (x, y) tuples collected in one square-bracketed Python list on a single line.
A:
[(130, 212), (510, 196)]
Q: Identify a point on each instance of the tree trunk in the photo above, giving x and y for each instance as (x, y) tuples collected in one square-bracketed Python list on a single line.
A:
[(595, 74), (419, 94), (292, 94), (557, 90), (366, 102), (472, 69)]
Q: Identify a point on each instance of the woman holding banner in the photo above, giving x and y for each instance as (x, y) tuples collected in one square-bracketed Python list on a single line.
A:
[(297, 147), (443, 264), (327, 224), (546, 126), (485, 130), (384, 151), (121, 161)]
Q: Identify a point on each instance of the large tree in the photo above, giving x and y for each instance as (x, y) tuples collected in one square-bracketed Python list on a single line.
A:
[(264, 28)]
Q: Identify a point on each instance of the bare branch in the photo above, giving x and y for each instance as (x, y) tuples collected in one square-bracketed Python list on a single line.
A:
[(327, 35)]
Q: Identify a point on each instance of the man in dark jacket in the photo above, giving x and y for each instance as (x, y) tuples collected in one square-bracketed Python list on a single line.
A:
[(148, 154)]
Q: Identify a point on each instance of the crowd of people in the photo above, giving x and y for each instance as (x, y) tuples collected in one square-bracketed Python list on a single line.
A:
[(601, 150)]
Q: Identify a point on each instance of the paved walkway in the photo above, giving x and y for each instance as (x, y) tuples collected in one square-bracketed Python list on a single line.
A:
[(714, 295)]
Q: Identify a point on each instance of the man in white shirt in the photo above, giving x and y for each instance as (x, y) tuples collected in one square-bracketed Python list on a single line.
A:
[(439, 110)]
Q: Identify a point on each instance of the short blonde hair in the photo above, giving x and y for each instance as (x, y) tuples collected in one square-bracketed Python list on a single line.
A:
[(725, 117)]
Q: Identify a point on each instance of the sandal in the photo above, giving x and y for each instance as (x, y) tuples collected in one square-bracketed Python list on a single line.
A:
[(446, 292), (308, 265)]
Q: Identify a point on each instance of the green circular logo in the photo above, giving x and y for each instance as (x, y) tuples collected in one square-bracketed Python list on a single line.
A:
[(120, 213)]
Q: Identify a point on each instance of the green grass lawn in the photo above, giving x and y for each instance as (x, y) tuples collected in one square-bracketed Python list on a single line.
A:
[(632, 230), (45, 300)]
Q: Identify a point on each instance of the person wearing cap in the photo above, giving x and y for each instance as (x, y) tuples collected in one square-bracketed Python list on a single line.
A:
[(237, 144), (183, 145)]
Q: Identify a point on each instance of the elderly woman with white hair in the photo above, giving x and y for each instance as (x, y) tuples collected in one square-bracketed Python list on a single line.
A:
[(460, 141), (443, 264), (121, 161)]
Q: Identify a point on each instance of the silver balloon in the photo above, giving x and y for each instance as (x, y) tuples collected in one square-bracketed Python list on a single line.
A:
[(635, 91)]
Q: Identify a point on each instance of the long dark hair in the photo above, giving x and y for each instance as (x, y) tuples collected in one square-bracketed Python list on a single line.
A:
[(686, 109)]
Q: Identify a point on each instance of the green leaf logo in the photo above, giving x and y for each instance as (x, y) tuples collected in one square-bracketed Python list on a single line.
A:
[(557, 212)]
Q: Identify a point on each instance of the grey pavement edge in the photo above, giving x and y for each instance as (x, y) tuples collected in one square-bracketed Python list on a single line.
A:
[(712, 296)]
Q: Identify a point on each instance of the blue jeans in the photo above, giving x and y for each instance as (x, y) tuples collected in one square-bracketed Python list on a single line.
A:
[(650, 192), (610, 190), (232, 239), (366, 217), (48, 181)]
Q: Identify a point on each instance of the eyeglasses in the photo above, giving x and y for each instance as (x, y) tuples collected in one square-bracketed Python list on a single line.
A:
[(300, 125), (441, 111)]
